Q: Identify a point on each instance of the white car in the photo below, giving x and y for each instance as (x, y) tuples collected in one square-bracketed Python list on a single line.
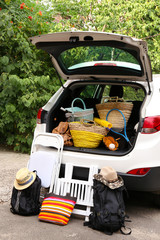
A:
[(96, 65)]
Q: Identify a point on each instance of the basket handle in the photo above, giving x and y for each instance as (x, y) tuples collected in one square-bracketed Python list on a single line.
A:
[(84, 106), (87, 122), (113, 99)]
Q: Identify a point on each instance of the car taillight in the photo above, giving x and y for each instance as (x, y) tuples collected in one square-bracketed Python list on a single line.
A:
[(151, 125), (39, 116), (139, 171)]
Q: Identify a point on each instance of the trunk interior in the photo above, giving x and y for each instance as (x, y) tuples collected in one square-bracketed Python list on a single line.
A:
[(95, 92)]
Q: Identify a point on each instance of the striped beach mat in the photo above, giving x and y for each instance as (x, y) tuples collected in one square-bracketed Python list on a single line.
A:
[(57, 209)]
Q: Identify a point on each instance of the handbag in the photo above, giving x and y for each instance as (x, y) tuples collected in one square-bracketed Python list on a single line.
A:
[(77, 113), (115, 117), (57, 209)]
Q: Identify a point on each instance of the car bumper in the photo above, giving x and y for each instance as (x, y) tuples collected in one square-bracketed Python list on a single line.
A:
[(149, 182)]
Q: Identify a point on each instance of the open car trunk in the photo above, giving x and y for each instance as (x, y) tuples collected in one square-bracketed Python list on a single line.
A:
[(99, 65), (95, 92)]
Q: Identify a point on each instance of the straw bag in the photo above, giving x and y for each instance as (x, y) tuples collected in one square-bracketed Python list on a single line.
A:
[(76, 113), (86, 133), (115, 117)]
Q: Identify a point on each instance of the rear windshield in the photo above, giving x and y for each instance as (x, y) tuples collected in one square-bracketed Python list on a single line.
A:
[(98, 56)]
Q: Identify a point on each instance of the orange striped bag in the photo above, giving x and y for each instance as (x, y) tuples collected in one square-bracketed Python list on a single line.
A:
[(57, 209)]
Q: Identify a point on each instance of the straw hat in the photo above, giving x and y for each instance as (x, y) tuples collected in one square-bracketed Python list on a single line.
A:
[(108, 176), (24, 179)]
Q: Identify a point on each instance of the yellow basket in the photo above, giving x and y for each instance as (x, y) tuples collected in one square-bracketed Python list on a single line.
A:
[(86, 139), (87, 135)]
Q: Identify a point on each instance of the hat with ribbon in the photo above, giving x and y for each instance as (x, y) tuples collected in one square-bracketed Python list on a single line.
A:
[(24, 179), (108, 176)]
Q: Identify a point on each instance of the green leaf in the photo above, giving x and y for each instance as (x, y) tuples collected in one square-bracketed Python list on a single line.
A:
[(4, 60), (10, 108)]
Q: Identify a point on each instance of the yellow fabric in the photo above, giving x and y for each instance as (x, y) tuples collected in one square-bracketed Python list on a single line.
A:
[(103, 123)]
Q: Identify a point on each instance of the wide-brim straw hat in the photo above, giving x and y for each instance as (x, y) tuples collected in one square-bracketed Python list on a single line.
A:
[(24, 179), (108, 176)]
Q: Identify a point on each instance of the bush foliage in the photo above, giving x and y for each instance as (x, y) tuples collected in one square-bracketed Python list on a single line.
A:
[(27, 78), (27, 75)]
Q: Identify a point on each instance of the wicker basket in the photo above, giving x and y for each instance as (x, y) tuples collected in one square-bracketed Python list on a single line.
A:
[(87, 135), (115, 117)]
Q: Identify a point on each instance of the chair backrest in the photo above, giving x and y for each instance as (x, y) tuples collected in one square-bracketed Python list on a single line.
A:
[(44, 140), (46, 157), (116, 90)]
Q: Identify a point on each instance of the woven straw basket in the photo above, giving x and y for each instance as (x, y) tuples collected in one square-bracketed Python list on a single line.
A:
[(115, 117), (87, 135)]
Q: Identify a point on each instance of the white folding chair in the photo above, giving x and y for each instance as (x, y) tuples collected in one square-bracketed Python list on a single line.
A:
[(80, 189), (46, 158)]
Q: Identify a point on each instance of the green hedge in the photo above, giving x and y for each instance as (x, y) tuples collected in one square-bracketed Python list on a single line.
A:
[(20, 100), (27, 77)]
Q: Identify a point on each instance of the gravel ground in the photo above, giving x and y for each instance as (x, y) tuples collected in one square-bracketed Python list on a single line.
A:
[(144, 216), (10, 163)]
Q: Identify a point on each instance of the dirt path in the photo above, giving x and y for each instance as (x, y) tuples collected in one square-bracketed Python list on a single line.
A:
[(10, 163), (145, 217)]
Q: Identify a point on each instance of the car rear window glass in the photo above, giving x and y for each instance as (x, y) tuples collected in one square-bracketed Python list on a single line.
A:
[(133, 94), (129, 93), (88, 91), (95, 56)]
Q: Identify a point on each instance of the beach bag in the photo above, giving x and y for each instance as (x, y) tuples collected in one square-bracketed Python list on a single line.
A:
[(115, 117), (57, 209), (108, 213), (76, 113), (26, 202)]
